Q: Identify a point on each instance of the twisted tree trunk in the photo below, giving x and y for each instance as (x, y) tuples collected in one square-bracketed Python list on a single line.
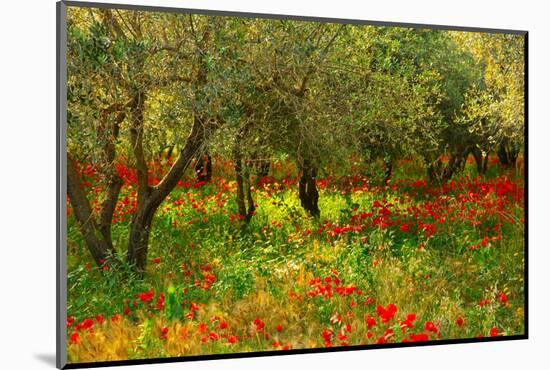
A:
[(151, 197), (96, 229), (307, 189), (388, 171), (242, 177)]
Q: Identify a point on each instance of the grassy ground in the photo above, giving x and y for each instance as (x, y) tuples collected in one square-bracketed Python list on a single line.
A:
[(408, 262)]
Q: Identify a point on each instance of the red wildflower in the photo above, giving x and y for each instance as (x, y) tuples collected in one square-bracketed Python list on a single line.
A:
[(75, 338), (156, 260), (160, 302), (222, 325), (422, 337), (368, 301), (459, 321), (259, 324), (386, 313), (146, 297), (213, 336), (326, 335), (231, 339), (494, 332), (409, 321), (87, 324), (279, 328), (99, 319), (503, 298), (484, 302), (202, 328), (164, 333), (430, 326), (370, 321), (190, 315)]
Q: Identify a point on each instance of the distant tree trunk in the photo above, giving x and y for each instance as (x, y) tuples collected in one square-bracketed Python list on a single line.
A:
[(481, 161), (485, 163), (203, 167), (239, 179), (439, 173), (508, 154), (250, 200), (262, 169), (478, 156), (309, 196), (242, 177), (388, 171)]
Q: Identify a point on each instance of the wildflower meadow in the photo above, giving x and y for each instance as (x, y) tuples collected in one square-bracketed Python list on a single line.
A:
[(239, 185)]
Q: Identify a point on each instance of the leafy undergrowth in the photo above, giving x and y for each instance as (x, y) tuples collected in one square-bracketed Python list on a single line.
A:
[(403, 263)]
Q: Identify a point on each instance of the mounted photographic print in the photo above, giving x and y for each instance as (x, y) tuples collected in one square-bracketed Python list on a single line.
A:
[(234, 184)]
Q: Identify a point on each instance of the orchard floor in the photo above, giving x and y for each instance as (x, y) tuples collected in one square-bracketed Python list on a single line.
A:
[(384, 264)]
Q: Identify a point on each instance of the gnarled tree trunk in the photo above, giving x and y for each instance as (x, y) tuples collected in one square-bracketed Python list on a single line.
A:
[(96, 229), (153, 196), (508, 154), (481, 161), (307, 189), (388, 171), (242, 177)]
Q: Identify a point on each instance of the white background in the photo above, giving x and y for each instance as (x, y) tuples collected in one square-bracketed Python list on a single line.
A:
[(27, 182)]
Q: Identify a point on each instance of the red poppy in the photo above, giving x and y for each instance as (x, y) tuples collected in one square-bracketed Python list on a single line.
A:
[(459, 321), (75, 338), (279, 328), (370, 321), (386, 313), (259, 324), (430, 326), (164, 333), (202, 328), (160, 302), (146, 297), (327, 335), (223, 325), (213, 336), (422, 337)]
